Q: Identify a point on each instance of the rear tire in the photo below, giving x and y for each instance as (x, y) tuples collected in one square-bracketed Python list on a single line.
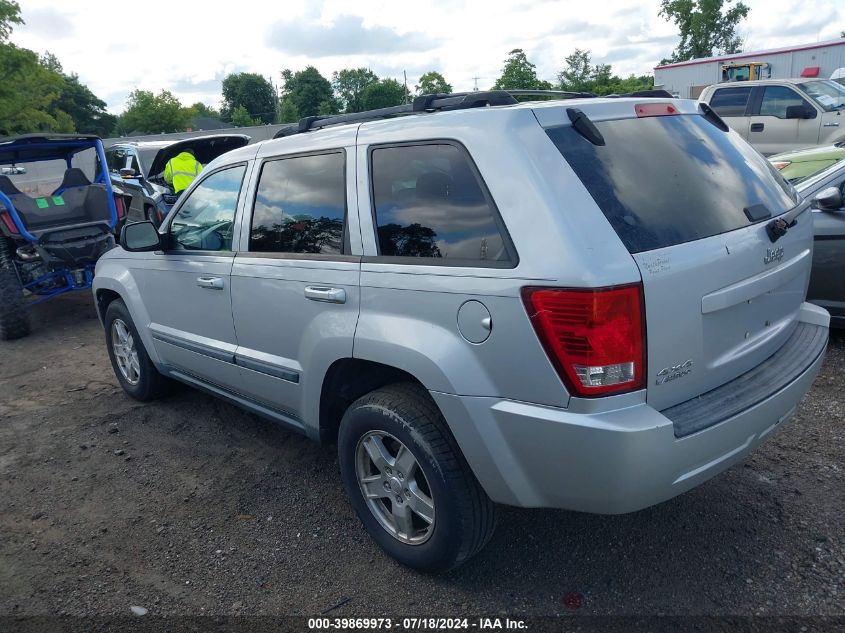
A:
[(14, 318), (423, 506), (132, 365)]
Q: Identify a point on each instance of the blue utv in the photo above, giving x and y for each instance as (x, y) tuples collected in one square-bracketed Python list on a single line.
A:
[(51, 238)]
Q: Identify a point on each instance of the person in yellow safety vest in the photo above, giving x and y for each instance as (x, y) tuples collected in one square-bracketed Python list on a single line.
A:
[(181, 170)]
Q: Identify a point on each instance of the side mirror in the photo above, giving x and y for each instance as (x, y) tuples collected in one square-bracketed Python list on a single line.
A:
[(128, 172), (829, 199), (800, 112), (140, 237)]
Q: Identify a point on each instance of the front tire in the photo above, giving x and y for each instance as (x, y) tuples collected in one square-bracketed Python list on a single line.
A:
[(408, 481), (14, 318), (132, 365)]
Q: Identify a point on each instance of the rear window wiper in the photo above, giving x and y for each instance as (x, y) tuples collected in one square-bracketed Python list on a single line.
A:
[(586, 128), (778, 227)]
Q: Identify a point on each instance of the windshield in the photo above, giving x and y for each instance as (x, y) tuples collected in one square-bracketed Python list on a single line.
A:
[(828, 94)]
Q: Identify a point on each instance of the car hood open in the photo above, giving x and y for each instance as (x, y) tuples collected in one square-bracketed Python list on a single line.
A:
[(206, 149)]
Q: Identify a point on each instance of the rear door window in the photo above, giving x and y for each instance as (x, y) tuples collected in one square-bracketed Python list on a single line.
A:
[(666, 180), (730, 101), (300, 205), (429, 202)]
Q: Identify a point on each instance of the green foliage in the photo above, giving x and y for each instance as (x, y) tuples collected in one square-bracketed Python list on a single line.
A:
[(384, 94), (349, 85), (87, 112), (288, 112), (580, 75), (201, 110), (707, 27), (241, 118), (308, 92), (432, 83), (518, 73), (151, 114), (27, 93), (10, 13), (252, 91)]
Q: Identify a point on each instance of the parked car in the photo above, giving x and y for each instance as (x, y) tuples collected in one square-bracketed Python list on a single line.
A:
[(796, 166), (49, 243), (781, 115), (137, 167), (593, 304), (827, 282), (12, 170)]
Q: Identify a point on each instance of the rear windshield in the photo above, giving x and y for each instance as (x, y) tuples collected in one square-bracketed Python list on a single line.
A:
[(666, 180)]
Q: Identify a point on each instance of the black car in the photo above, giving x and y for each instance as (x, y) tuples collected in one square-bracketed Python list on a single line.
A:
[(138, 168)]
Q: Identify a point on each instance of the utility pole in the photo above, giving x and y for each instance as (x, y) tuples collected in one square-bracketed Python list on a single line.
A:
[(475, 79), (405, 75)]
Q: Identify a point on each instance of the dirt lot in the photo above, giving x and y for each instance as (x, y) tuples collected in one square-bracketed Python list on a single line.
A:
[(190, 506)]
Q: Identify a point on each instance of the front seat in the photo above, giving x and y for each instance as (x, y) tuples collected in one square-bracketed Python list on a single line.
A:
[(8, 187), (74, 177)]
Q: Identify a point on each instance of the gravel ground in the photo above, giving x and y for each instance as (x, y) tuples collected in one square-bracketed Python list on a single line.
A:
[(189, 506)]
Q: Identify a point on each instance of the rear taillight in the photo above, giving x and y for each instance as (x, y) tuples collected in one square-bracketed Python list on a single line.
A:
[(595, 338), (780, 164), (655, 109), (118, 207), (10, 225)]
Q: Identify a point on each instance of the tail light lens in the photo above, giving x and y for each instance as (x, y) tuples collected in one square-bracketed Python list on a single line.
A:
[(118, 207), (780, 164), (10, 225), (595, 338)]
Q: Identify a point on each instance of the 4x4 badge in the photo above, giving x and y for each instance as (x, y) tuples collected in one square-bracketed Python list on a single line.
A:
[(773, 255), (668, 374)]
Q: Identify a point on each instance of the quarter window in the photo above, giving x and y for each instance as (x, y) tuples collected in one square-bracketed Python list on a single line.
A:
[(206, 219), (730, 101), (300, 205), (776, 99), (429, 203)]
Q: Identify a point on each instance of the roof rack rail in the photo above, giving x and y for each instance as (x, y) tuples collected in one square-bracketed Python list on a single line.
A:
[(427, 103)]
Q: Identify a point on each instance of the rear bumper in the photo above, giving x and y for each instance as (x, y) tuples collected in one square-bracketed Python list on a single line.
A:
[(609, 462)]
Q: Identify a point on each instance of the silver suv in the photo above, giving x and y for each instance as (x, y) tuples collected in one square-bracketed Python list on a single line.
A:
[(592, 304)]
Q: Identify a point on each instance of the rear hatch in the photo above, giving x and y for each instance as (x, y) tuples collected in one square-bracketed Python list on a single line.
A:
[(691, 201), (204, 148)]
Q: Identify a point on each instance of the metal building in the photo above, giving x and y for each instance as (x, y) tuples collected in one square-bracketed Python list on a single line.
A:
[(688, 79)]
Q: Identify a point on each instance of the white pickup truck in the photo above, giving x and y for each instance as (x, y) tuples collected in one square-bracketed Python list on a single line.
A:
[(779, 115)]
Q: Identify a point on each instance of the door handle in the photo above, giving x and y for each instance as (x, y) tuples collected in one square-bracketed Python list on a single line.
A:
[(757, 127), (831, 124), (326, 295), (212, 283)]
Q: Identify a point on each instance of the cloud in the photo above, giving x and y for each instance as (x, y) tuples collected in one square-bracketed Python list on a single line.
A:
[(347, 35), (48, 23)]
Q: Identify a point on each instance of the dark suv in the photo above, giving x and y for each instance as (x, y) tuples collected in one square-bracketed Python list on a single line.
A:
[(138, 168)]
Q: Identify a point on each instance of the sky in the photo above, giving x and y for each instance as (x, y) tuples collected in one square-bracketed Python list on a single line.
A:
[(188, 47)]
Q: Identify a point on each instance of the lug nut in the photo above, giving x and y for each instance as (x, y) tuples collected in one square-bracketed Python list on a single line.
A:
[(398, 498), (401, 476), (386, 486)]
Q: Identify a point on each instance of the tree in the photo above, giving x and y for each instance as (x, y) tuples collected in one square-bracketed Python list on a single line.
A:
[(10, 13), (432, 83), (241, 118), (707, 27), (252, 91), (288, 112), (150, 113), (518, 73), (307, 91), (201, 110), (349, 85), (383, 94), (27, 89), (578, 74)]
